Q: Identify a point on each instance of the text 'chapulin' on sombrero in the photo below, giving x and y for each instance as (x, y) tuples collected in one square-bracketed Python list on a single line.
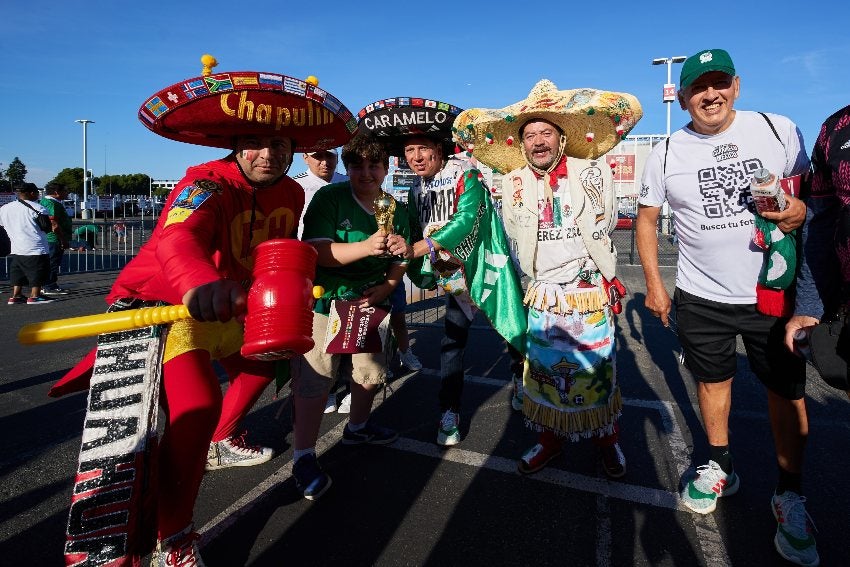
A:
[(211, 110), (593, 121), (393, 120)]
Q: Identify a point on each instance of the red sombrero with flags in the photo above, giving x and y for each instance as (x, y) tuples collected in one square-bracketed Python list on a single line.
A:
[(212, 109), (393, 120)]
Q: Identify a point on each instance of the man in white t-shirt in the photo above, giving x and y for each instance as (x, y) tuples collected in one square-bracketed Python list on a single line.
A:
[(30, 263), (321, 170), (704, 173)]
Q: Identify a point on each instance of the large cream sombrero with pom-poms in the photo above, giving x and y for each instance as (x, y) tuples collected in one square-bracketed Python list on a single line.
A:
[(593, 121), (211, 110)]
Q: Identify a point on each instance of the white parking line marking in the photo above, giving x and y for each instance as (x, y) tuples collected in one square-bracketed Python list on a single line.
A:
[(710, 541)]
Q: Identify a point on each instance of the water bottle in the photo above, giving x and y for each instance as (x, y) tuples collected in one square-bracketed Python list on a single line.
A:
[(768, 195)]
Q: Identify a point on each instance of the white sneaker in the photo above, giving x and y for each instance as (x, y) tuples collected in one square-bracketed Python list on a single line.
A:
[(409, 360), (345, 404), (516, 394), (449, 432), (236, 452), (701, 493), (794, 540), (330, 405)]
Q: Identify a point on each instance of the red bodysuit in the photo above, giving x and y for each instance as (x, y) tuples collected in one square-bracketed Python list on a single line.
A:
[(205, 234)]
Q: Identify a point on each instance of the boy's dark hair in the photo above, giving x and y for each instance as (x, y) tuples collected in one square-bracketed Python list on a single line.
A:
[(53, 188), (364, 147)]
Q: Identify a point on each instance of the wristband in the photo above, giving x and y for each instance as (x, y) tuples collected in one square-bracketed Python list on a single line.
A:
[(431, 252)]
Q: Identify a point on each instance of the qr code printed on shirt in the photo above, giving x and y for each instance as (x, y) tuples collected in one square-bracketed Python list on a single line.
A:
[(725, 189)]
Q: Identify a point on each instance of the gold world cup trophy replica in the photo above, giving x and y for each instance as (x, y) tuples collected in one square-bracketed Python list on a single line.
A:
[(384, 211)]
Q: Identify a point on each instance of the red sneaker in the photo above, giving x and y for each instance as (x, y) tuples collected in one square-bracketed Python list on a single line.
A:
[(539, 456), (180, 550)]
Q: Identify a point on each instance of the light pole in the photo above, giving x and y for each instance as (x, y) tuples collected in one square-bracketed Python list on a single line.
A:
[(669, 95), (669, 92), (85, 212)]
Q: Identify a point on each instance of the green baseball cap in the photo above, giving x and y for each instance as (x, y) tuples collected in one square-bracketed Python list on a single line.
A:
[(703, 62)]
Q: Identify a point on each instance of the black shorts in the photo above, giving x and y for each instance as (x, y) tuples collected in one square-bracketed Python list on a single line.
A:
[(708, 332), (29, 270)]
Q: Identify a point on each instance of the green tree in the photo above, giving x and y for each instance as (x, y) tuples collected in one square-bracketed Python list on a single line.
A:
[(136, 184), (72, 178), (126, 184), (16, 172)]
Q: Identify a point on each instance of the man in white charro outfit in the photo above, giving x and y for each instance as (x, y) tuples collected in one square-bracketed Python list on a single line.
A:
[(559, 209)]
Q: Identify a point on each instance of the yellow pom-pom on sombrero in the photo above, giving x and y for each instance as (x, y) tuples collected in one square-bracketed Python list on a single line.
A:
[(593, 121)]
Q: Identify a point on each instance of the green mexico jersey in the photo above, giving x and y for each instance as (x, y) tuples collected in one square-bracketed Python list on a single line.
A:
[(57, 210), (335, 215)]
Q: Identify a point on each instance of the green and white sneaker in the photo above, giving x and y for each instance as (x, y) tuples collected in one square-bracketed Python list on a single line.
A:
[(701, 493), (449, 432), (794, 540)]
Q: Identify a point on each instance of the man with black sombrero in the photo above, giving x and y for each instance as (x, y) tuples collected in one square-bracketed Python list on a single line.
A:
[(199, 255), (450, 213), (559, 209)]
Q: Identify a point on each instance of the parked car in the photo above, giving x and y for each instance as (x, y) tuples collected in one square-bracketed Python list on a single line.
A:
[(625, 220), (148, 206)]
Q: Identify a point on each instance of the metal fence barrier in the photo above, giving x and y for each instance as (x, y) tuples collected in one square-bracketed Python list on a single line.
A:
[(106, 250)]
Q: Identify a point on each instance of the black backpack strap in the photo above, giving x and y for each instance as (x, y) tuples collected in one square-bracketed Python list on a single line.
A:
[(30, 207), (772, 127), (666, 149)]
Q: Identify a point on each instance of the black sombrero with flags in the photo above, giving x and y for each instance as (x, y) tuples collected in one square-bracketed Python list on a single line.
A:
[(394, 120), (212, 109)]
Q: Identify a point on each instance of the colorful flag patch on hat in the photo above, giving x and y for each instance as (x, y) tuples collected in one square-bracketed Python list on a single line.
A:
[(218, 83), (315, 93), (195, 88), (243, 80), (156, 106), (294, 86), (271, 79), (332, 103)]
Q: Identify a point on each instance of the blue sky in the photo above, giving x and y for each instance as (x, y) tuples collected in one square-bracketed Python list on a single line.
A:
[(99, 60)]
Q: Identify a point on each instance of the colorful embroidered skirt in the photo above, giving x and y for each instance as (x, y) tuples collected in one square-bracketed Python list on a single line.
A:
[(570, 380)]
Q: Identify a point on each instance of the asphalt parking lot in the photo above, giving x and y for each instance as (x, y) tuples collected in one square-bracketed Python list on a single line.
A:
[(414, 503)]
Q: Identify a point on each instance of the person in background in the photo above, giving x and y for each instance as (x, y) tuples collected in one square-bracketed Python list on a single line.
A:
[(120, 228), (321, 170), (398, 324), (30, 262), (60, 238), (823, 283), (87, 234), (704, 172), (353, 265)]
